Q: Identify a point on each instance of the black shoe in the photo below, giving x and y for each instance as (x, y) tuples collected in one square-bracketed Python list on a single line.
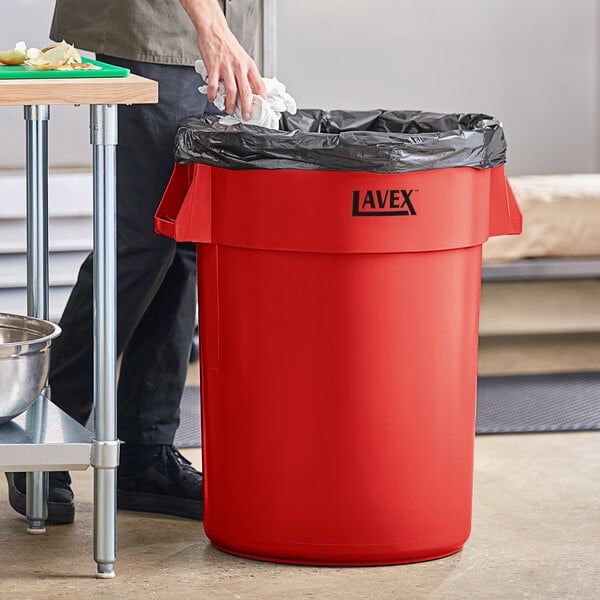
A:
[(61, 508), (159, 479)]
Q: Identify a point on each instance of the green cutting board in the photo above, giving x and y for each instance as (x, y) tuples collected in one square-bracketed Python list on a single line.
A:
[(27, 72)]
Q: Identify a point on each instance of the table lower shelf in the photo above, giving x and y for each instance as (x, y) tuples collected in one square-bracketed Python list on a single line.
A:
[(44, 438), (529, 269)]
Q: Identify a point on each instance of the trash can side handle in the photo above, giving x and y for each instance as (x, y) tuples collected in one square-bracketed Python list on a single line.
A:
[(505, 215), (184, 212)]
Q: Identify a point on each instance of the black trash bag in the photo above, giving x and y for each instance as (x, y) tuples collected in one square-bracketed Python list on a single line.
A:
[(376, 141)]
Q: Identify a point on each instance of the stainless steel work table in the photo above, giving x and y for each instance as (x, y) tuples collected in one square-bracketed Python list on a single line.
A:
[(44, 438)]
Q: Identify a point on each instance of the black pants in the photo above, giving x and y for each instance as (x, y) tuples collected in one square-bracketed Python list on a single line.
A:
[(156, 277)]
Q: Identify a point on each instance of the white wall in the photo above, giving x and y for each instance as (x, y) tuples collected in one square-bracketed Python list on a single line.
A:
[(532, 63), (68, 139)]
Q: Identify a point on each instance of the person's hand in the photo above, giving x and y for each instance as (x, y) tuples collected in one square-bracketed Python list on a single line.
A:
[(224, 57)]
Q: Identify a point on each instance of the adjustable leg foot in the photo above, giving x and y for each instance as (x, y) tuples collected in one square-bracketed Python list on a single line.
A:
[(105, 571), (36, 527)]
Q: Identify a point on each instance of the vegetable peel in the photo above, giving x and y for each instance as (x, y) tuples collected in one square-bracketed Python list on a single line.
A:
[(60, 56), (15, 57)]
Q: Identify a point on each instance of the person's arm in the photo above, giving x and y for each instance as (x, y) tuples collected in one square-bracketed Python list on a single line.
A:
[(223, 56)]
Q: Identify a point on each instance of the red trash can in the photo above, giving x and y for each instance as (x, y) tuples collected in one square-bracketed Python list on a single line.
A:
[(338, 327)]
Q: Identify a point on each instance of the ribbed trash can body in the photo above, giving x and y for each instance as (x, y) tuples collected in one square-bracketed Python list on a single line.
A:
[(338, 327)]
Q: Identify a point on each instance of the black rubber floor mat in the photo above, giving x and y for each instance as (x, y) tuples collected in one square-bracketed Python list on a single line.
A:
[(505, 404), (188, 434), (537, 403)]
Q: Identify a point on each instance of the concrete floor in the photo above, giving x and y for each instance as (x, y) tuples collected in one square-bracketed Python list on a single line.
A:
[(536, 534)]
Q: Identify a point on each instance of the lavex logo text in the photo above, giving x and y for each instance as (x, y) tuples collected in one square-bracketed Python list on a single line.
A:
[(383, 203)]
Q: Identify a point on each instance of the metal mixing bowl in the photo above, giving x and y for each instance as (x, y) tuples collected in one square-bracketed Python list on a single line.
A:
[(24, 361)]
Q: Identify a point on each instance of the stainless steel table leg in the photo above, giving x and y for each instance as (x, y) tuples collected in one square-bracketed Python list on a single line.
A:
[(36, 507), (105, 447), (36, 118)]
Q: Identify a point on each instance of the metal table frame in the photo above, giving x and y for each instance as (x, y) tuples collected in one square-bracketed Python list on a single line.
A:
[(44, 438)]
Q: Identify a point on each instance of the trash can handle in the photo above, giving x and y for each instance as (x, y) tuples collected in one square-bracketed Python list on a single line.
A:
[(184, 212), (505, 215)]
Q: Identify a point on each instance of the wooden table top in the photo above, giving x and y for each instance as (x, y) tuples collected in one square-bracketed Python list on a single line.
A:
[(95, 90)]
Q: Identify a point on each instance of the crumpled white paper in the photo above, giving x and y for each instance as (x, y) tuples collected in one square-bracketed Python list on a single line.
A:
[(265, 113)]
